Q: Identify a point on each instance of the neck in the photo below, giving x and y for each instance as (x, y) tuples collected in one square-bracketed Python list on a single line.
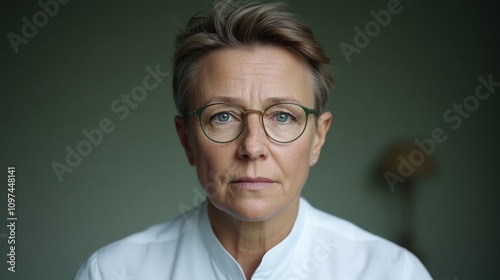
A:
[(248, 241)]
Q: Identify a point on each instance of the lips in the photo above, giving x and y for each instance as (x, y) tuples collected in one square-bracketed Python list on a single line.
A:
[(248, 183)]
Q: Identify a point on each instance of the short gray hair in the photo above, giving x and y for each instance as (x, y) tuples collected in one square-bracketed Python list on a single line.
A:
[(232, 24)]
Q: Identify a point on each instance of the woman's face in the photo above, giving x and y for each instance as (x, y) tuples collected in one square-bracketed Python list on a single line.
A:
[(253, 178)]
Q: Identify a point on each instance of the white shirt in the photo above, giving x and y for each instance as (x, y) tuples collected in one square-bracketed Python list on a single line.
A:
[(320, 246)]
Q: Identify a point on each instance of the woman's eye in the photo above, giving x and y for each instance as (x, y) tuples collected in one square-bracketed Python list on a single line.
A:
[(282, 117), (223, 117)]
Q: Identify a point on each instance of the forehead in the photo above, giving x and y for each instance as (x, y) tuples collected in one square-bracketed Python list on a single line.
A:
[(253, 78)]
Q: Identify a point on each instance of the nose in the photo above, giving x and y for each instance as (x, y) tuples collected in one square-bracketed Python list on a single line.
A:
[(254, 140)]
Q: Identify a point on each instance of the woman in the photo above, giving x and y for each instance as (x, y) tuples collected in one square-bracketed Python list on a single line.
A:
[(250, 83)]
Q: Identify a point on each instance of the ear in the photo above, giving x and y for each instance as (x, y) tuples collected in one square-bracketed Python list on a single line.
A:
[(180, 126), (323, 124)]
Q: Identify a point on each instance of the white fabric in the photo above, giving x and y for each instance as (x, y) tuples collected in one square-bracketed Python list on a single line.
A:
[(320, 246)]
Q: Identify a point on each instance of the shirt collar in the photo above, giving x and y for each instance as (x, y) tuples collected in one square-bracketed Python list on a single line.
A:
[(277, 258)]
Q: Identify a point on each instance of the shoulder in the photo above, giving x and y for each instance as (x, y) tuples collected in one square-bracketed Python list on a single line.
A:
[(360, 250), (142, 250), (344, 229), (163, 234)]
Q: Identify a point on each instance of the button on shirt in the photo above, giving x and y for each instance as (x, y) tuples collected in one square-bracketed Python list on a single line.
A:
[(319, 246)]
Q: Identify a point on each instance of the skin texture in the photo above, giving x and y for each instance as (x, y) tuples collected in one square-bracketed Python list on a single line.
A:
[(253, 184)]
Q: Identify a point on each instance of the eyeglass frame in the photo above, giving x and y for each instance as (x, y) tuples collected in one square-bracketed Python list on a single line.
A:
[(200, 110)]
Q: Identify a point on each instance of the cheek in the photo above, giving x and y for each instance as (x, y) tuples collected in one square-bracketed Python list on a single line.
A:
[(294, 160), (211, 162), (303, 147)]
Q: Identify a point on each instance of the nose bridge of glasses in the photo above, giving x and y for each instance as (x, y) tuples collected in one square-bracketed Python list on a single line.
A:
[(250, 111)]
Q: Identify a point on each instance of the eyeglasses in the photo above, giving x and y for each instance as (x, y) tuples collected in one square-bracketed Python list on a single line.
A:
[(282, 122)]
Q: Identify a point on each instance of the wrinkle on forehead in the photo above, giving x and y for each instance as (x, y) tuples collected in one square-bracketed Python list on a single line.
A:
[(253, 76)]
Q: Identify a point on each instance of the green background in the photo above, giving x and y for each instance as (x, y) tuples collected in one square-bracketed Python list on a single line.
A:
[(397, 88)]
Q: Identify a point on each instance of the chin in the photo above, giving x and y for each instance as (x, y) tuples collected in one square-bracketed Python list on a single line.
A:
[(250, 210)]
